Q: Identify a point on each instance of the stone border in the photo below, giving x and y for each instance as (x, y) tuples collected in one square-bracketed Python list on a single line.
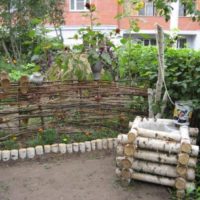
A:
[(82, 147)]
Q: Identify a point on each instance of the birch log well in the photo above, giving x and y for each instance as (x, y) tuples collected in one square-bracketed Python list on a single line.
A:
[(163, 170), (163, 158), (161, 145)]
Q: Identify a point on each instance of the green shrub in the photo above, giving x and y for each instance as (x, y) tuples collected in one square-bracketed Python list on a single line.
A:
[(49, 136), (9, 144)]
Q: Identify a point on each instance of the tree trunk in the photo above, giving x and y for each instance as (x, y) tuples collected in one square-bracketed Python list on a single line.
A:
[(159, 84), (150, 102)]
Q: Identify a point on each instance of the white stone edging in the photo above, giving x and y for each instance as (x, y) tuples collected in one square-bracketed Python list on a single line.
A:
[(82, 147)]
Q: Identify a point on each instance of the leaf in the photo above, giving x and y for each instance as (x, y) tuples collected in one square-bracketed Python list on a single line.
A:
[(106, 58)]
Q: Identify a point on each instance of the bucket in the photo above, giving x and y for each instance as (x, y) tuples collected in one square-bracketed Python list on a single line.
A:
[(183, 112)]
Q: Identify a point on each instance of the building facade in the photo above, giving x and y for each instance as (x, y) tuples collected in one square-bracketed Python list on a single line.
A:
[(106, 11)]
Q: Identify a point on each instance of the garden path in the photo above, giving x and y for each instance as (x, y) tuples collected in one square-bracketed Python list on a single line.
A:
[(77, 177)]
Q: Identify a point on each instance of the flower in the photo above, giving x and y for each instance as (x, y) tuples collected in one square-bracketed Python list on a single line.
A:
[(40, 130), (91, 7), (87, 133), (14, 138), (87, 5), (117, 31), (65, 139)]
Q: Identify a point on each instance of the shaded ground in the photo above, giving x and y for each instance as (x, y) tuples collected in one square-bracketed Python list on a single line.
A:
[(84, 177)]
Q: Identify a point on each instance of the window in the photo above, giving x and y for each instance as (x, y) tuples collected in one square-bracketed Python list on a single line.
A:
[(78, 5), (148, 10), (148, 42), (182, 10), (181, 43)]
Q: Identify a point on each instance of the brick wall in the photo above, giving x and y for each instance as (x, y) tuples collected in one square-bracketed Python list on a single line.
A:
[(108, 9)]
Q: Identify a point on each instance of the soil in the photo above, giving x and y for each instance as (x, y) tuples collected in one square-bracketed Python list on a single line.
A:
[(75, 177)]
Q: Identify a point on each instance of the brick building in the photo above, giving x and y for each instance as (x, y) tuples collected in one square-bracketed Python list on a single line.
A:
[(147, 17)]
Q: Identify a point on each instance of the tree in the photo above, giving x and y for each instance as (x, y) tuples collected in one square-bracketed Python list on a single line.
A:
[(164, 8), (19, 21)]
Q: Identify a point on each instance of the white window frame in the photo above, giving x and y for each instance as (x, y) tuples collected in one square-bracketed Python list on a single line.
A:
[(179, 43), (75, 6), (145, 9)]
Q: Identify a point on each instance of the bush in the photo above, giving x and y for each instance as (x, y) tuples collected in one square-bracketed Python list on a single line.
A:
[(182, 74)]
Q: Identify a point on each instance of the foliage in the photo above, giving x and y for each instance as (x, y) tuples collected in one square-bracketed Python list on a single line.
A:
[(9, 144), (22, 27), (182, 69), (48, 136), (91, 135), (163, 7)]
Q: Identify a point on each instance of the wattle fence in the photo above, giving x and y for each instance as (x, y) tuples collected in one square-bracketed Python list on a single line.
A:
[(68, 106)]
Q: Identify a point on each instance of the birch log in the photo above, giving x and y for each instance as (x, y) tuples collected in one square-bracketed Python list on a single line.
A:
[(124, 162), (127, 138), (120, 150), (193, 132), (174, 135), (129, 150), (183, 158), (182, 171), (132, 135), (161, 145), (163, 158), (185, 139), (118, 172), (180, 183), (162, 170), (158, 180), (126, 173), (180, 194), (136, 122)]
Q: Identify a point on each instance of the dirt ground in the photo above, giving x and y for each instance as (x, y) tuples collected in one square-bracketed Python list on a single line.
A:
[(77, 177)]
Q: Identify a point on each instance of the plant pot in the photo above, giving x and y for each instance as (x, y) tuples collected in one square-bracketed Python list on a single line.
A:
[(96, 70)]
